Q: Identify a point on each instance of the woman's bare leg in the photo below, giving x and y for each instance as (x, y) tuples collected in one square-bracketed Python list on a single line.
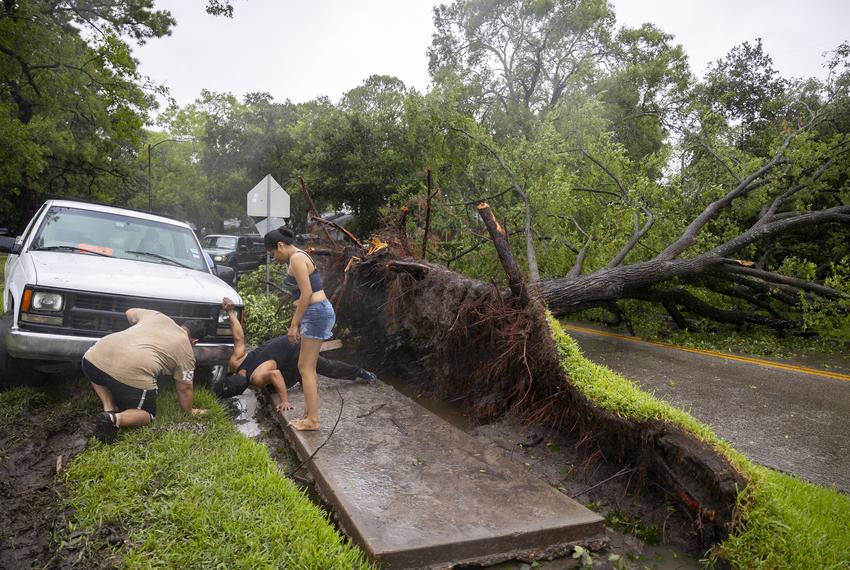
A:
[(309, 382)]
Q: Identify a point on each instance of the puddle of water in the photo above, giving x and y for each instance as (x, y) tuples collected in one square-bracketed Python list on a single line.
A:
[(246, 409), (447, 411), (444, 410)]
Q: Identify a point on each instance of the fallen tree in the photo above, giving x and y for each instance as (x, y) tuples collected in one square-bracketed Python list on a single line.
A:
[(646, 280), (496, 353)]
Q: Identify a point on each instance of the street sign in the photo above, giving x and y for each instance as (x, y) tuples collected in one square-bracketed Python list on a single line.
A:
[(266, 225), (268, 199)]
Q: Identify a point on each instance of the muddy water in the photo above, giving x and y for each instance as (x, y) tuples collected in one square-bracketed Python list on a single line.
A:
[(245, 410), (447, 411)]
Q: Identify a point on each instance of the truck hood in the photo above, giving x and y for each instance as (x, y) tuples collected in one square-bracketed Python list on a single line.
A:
[(84, 272)]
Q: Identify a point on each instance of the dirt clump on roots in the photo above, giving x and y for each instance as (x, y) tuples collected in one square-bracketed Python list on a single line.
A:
[(469, 342)]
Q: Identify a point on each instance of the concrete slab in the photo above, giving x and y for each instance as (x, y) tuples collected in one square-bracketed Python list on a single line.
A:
[(416, 492)]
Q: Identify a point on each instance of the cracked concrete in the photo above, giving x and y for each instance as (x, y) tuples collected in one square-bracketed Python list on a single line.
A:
[(416, 492)]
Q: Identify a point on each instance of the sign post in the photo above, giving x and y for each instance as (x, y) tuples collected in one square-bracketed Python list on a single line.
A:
[(268, 199)]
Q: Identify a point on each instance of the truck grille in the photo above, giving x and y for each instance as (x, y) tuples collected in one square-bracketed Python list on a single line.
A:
[(95, 314)]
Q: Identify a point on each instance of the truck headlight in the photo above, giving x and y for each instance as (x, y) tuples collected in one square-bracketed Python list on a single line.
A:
[(220, 258), (46, 302), (223, 328)]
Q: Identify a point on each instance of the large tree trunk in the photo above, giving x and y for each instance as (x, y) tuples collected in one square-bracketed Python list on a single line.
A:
[(569, 294)]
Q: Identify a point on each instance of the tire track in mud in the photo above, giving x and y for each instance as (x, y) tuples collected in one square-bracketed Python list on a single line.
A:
[(35, 448)]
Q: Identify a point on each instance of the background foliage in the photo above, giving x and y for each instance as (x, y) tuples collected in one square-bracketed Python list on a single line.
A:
[(571, 127)]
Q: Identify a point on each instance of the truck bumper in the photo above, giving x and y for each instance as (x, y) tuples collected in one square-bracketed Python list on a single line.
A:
[(28, 345)]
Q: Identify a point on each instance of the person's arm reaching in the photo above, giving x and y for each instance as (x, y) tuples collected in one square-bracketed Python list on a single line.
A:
[(238, 335), (183, 378), (185, 395), (276, 379)]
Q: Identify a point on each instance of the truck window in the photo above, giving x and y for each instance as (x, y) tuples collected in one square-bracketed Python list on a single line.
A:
[(70, 230)]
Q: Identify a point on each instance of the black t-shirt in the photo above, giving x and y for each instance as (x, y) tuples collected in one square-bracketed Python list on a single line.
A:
[(283, 352)]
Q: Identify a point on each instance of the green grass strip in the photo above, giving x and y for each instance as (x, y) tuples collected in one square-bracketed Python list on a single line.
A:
[(784, 522), (195, 493)]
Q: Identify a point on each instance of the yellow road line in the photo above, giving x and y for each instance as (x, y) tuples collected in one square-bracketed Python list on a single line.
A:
[(757, 361)]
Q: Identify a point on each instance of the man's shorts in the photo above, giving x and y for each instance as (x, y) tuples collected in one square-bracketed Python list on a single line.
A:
[(125, 397)]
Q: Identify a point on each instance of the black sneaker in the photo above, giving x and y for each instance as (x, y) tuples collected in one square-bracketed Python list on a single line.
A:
[(105, 429), (366, 376)]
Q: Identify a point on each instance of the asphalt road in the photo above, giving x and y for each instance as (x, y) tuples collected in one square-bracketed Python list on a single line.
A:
[(789, 420)]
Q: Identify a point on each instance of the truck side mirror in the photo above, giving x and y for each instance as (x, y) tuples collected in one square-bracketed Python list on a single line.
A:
[(224, 273), (10, 245)]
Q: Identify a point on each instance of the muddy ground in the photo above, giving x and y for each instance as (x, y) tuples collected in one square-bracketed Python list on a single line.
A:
[(36, 443), (40, 441)]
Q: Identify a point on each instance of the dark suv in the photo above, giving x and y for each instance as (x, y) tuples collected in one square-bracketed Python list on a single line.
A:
[(242, 253)]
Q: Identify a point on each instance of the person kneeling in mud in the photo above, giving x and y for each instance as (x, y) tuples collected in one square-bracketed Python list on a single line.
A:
[(275, 362), (123, 368)]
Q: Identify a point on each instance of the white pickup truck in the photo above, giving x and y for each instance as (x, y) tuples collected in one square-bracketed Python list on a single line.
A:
[(76, 269)]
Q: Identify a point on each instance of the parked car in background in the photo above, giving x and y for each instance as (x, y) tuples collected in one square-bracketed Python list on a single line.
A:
[(76, 269), (239, 252)]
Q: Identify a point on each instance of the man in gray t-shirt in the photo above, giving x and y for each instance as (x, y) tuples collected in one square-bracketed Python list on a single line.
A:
[(123, 368)]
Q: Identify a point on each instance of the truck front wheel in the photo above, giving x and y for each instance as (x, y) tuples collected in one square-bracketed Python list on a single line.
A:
[(207, 375)]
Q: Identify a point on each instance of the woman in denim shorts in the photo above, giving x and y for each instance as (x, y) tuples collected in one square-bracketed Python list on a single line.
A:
[(313, 320)]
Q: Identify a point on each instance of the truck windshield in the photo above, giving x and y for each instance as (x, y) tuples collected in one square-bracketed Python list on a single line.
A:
[(86, 232), (222, 242)]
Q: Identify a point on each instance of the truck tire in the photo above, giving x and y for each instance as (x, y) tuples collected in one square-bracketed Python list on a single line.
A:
[(206, 375), (14, 371)]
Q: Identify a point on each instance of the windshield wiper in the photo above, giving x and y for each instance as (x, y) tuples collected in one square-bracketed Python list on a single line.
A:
[(71, 248), (162, 257)]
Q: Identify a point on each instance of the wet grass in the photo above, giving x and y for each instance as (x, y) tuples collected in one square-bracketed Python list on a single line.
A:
[(784, 522), (191, 492)]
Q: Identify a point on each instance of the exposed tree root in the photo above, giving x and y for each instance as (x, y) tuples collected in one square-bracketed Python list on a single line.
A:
[(467, 342)]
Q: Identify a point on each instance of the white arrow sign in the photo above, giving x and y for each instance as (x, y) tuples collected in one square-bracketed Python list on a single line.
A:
[(268, 199)]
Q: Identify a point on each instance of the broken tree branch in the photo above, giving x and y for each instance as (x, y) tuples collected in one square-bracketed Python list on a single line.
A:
[(314, 211), (533, 270), (500, 240), (429, 197), (822, 290), (339, 228), (409, 267)]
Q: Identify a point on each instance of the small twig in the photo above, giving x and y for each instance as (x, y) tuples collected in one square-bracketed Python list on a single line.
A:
[(399, 426), (619, 473), (333, 429), (372, 411)]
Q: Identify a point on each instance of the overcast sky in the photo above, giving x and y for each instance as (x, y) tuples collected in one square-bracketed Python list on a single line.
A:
[(299, 50)]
